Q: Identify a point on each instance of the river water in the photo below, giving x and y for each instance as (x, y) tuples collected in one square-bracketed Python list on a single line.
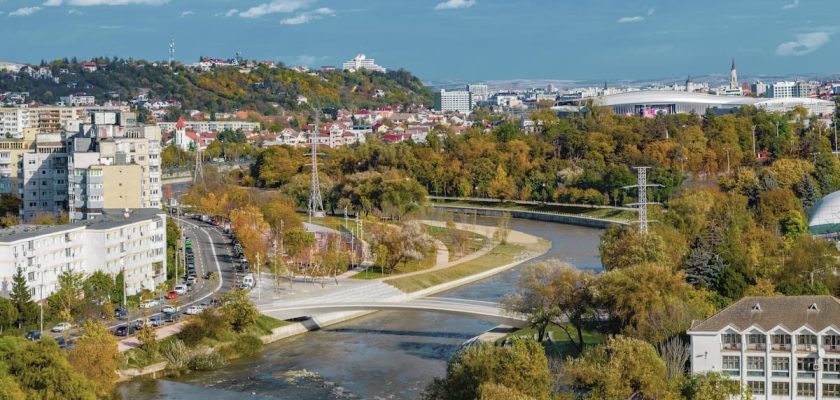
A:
[(386, 355)]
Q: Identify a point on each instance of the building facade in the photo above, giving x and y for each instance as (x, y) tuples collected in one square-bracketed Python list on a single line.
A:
[(361, 62), (479, 92), (453, 101), (779, 347), (210, 126), (132, 242)]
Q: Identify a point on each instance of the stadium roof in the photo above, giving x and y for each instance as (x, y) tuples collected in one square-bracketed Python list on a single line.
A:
[(825, 216)]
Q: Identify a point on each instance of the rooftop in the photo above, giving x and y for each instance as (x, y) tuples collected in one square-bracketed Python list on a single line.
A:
[(111, 218), (790, 312)]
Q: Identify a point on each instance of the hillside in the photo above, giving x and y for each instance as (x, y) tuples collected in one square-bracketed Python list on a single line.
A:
[(222, 89)]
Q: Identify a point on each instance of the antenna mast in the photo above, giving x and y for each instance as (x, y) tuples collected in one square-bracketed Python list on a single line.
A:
[(199, 164), (642, 202)]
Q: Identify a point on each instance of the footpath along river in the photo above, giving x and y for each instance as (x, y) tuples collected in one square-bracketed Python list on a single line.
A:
[(386, 355)]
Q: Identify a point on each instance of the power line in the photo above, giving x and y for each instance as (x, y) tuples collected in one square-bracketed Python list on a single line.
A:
[(316, 204)]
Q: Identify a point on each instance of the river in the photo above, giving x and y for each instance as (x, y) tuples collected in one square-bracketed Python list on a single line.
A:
[(386, 355)]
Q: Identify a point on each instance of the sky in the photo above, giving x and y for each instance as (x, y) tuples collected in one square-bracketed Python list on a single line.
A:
[(439, 40)]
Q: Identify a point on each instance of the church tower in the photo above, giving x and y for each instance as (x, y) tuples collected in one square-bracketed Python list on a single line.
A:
[(733, 77)]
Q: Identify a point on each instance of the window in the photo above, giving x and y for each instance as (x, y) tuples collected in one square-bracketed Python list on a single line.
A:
[(781, 366), (731, 365), (781, 341), (757, 387), (831, 390), (805, 364), (731, 341), (805, 389), (755, 366), (780, 388), (831, 365), (30, 276), (806, 339)]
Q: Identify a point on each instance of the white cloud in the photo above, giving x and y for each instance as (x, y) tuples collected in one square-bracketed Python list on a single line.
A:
[(791, 5), (187, 13), (24, 11), (230, 13), (276, 6), (651, 11), (88, 3), (454, 4), (805, 43), (74, 11), (636, 18), (308, 16)]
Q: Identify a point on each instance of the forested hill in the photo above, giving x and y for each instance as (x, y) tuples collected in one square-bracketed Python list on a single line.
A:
[(222, 89)]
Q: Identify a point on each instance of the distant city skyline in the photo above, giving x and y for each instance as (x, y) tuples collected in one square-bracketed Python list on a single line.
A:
[(439, 40)]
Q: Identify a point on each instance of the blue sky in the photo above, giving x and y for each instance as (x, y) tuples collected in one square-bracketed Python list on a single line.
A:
[(446, 39)]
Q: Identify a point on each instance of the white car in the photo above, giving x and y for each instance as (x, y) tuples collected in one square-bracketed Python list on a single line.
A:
[(194, 310), (180, 289), (168, 309), (61, 327), (149, 303)]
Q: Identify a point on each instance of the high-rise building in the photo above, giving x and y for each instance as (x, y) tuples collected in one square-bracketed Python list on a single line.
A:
[(781, 90), (132, 242), (42, 177), (362, 62), (759, 89), (479, 92), (458, 101)]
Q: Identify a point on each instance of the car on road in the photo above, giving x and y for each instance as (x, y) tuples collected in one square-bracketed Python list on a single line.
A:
[(172, 295), (120, 312), (191, 279), (243, 286), (168, 309), (157, 321), (194, 310), (33, 335), (180, 289), (150, 303), (122, 330), (61, 327), (139, 324), (170, 317), (208, 275)]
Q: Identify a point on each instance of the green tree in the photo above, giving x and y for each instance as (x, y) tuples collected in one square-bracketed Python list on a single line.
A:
[(711, 386), (623, 246), (8, 314), (240, 311), (148, 342), (95, 354), (22, 299), (520, 367), (42, 371), (622, 368)]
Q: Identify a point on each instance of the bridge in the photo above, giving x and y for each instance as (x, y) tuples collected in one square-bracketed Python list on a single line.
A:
[(483, 310)]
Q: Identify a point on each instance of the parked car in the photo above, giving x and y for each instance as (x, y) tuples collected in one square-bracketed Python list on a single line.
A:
[(33, 335), (150, 303), (243, 286), (180, 289), (61, 327), (139, 324), (122, 330), (194, 310), (191, 279), (172, 294), (120, 312), (168, 309), (156, 321), (64, 344), (170, 317)]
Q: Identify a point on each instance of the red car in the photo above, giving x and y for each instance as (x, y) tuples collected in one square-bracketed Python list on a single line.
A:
[(171, 295)]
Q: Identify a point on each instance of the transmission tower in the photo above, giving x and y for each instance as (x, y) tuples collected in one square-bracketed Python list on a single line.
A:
[(642, 202), (316, 204), (171, 51), (199, 166)]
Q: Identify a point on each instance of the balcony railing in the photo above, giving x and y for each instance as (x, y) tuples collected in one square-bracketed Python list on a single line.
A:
[(806, 374), (780, 374), (732, 372), (731, 346), (780, 347), (806, 347), (755, 373), (757, 346), (832, 348)]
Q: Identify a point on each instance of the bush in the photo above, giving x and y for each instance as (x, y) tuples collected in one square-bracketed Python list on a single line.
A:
[(248, 345), (206, 361), (192, 333), (177, 356)]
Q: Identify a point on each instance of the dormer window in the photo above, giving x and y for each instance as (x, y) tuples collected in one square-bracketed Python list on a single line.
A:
[(756, 307), (813, 307)]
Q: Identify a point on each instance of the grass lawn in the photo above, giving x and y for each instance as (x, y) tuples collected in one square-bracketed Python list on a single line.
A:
[(264, 326), (584, 211), (473, 241), (375, 271), (500, 255), (562, 346)]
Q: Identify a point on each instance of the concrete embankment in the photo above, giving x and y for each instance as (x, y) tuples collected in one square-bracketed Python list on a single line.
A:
[(568, 219)]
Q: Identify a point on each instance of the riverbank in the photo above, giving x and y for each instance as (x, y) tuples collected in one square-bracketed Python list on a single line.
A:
[(590, 220)]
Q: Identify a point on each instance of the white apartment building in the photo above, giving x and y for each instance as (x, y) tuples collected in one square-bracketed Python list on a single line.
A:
[(457, 101), (211, 126), (779, 347), (133, 242), (42, 177), (362, 62), (13, 121), (479, 92), (78, 100)]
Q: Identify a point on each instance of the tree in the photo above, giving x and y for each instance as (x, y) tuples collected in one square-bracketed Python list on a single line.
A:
[(42, 371), (22, 299), (402, 243), (96, 355), (651, 302), (69, 294), (8, 314), (10, 389), (520, 367), (502, 186), (623, 246), (239, 310), (711, 386), (148, 341), (622, 368), (554, 292)]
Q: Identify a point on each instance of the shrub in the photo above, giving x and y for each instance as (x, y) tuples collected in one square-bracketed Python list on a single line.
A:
[(192, 333), (248, 345), (206, 361), (177, 356)]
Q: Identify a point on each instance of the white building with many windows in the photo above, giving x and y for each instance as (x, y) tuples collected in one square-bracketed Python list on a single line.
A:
[(133, 242), (455, 101), (779, 347), (361, 62)]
